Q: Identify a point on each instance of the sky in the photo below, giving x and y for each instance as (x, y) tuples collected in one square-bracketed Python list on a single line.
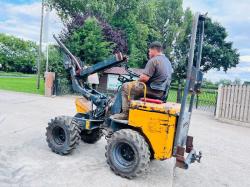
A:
[(22, 18), (234, 15)]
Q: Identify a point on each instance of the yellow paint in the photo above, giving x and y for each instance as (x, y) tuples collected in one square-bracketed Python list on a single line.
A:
[(82, 106), (87, 124), (137, 83), (167, 108), (158, 123)]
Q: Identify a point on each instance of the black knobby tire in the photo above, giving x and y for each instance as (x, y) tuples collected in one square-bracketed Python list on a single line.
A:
[(63, 135), (89, 136), (127, 153)]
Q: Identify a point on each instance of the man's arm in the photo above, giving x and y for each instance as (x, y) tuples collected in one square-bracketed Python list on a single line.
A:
[(144, 78), (148, 72)]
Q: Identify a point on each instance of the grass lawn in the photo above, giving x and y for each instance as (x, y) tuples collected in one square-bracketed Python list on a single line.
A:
[(172, 96), (20, 83), (206, 98), (27, 83), (15, 74)]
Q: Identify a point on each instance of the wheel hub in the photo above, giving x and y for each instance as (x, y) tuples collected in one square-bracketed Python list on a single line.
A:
[(127, 153), (59, 135), (124, 155)]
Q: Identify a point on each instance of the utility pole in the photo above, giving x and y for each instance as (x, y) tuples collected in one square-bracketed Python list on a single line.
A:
[(40, 48), (46, 35), (47, 57)]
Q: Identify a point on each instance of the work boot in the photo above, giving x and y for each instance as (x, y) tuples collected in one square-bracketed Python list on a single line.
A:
[(121, 116)]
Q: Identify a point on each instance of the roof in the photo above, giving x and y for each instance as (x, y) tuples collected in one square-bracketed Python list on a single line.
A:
[(93, 79), (122, 71)]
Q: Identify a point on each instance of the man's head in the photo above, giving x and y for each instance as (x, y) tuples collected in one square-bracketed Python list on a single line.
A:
[(155, 49)]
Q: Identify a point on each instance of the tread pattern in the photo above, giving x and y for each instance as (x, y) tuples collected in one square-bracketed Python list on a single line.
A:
[(72, 130), (91, 137), (139, 143)]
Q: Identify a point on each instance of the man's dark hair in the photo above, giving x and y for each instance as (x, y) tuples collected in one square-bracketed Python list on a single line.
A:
[(156, 45)]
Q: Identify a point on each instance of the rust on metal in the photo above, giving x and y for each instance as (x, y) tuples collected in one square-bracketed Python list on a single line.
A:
[(180, 157), (189, 144)]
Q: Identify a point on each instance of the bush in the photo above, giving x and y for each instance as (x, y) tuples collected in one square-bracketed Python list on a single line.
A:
[(55, 62), (87, 42), (56, 58), (17, 55), (63, 86)]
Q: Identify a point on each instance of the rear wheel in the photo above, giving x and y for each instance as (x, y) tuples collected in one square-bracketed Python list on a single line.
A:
[(63, 135), (89, 136), (127, 153)]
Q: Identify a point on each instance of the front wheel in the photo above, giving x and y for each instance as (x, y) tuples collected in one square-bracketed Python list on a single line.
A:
[(63, 135), (127, 153)]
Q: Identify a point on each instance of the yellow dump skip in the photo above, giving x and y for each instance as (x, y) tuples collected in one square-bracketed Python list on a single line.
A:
[(82, 106), (158, 123)]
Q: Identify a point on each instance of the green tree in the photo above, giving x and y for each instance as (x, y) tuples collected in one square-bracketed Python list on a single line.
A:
[(218, 53), (55, 62), (144, 21), (209, 84), (139, 46), (127, 17), (17, 55), (181, 46), (135, 17), (88, 43), (237, 81), (168, 19), (224, 82), (69, 8)]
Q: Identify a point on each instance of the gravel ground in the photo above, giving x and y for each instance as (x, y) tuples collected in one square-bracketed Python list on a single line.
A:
[(26, 160)]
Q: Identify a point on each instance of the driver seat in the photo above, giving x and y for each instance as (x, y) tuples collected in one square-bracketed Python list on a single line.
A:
[(159, 100)]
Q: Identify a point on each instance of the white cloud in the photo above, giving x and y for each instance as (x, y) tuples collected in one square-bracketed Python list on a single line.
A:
[(32, 10), (245, 58), (234, 15), (245, 51), (240, 70), (24, 21), (224, 11), (239, 73)]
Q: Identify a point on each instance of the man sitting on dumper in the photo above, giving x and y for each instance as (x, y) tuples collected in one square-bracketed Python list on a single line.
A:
[(156, 75)]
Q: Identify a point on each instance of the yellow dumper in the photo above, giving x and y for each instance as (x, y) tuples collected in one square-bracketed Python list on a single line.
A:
[(156, 129)]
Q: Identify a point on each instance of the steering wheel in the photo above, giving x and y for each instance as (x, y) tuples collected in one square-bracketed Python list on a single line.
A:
[(124, 79), (131, 73), (130, 77)]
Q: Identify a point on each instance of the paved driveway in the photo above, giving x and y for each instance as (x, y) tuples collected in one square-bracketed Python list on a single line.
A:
[(26, 160)]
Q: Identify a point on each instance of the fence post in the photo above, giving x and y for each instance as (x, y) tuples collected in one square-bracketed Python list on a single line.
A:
[(215, 108), (231, 100), (246, 109), (197, 101), (218, 104)]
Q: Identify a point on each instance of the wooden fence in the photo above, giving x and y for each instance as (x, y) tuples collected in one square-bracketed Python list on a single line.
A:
[(233, 104)]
